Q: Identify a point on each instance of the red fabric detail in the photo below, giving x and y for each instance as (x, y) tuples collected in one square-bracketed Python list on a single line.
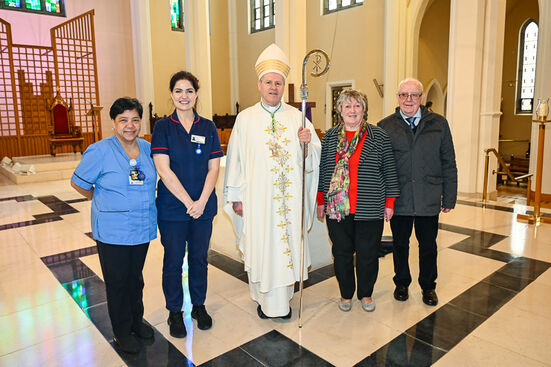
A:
[(61, 120), (218, 151), (320, 199), (159, 148), (353, 163), (176, 121), (389, 202)]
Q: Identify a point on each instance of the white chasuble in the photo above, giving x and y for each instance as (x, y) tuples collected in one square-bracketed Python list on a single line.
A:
[(264, 172)]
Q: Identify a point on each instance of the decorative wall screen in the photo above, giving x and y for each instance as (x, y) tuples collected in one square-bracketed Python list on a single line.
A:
[(29, 76), (8, 120)]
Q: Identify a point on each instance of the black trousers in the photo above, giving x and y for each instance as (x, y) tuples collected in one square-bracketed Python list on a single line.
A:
[(360, 237), (426, 230), (122, 267)]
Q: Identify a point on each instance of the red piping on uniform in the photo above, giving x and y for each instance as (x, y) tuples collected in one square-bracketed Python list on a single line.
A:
[(174, 120), (218, 151), (196, 121)]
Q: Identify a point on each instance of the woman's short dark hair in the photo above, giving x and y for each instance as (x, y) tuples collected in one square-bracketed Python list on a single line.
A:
[(184, 75), (125, 104)]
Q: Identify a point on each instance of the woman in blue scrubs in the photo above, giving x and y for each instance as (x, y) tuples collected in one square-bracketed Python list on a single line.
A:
[(186, 151), (118, 175)]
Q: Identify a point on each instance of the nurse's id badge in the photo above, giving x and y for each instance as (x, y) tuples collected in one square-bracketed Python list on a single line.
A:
[(198, 139), (136, 177)]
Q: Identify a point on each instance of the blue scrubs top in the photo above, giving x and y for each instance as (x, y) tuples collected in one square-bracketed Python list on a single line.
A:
[(122, 214), (189, 158)]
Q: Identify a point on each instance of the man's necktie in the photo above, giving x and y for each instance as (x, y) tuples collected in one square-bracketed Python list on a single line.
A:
[(411, 121)]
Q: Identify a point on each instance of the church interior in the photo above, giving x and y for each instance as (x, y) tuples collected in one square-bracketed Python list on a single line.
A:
[(485, 66)]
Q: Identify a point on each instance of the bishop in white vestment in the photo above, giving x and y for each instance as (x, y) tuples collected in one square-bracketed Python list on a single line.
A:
[(263, 188)]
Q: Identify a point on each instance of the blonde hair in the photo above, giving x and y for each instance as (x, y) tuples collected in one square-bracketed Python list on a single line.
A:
[(354, 94)]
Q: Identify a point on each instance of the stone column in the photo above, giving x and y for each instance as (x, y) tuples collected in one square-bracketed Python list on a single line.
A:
[(542, 90), (233, 60), (465, 87), (290, 36), (395, 52), (490, 99), (198, 51), (143, 60)]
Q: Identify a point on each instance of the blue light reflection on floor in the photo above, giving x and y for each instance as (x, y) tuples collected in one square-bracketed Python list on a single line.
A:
[(77, 290)]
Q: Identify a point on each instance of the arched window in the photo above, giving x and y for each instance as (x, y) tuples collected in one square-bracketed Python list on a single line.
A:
[(528, 49)]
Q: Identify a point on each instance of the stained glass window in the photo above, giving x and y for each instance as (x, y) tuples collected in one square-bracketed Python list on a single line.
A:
[(51, 7), (262, 15), (527, 66), (12, 3), (33, 4), (331, 6), (177, 15)]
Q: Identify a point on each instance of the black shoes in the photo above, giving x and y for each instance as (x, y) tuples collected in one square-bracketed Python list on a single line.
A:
[(430, 298), (401, 293), (176, 323), (143, 330), (199, 313), (128, 343), (262, 315)]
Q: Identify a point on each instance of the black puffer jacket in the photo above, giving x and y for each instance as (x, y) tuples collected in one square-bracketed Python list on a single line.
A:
[(425, 162)]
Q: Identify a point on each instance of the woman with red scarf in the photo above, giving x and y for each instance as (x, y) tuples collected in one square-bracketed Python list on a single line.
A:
[(357, 189)]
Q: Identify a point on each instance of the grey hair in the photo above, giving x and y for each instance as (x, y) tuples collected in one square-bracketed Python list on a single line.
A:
[(408, 80)]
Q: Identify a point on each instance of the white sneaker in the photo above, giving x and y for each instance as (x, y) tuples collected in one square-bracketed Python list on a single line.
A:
[(368, 306), (345, 306)]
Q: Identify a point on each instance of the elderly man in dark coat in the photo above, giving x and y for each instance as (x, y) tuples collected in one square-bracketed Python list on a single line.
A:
[(425, 161)]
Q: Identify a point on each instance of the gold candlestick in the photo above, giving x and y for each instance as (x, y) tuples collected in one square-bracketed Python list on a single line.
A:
[(542, 111)]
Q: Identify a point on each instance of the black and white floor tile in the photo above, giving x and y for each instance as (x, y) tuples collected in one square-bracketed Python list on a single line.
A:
[(494, 287)]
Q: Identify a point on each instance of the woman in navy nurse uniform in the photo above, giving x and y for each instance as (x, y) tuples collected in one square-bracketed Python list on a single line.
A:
[(186, 151), (118, 175)]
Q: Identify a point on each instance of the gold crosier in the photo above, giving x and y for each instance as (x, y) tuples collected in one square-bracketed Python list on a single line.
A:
[(319, 56)]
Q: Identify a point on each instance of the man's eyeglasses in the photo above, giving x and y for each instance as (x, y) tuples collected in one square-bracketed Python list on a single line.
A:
[(414, 96)]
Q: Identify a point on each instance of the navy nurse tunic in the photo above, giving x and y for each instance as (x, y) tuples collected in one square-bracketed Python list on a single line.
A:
[(188, 160), (189, 155)]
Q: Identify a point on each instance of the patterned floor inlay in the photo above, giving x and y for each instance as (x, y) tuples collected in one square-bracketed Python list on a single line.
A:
[(58, 207), (428, 340), (420, 345)]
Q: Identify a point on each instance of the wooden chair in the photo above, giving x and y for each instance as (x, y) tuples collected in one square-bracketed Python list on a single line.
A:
[(224, 135), (62, 130)]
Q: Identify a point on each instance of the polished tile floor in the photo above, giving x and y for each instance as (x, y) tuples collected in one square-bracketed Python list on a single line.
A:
[(494, 286)]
